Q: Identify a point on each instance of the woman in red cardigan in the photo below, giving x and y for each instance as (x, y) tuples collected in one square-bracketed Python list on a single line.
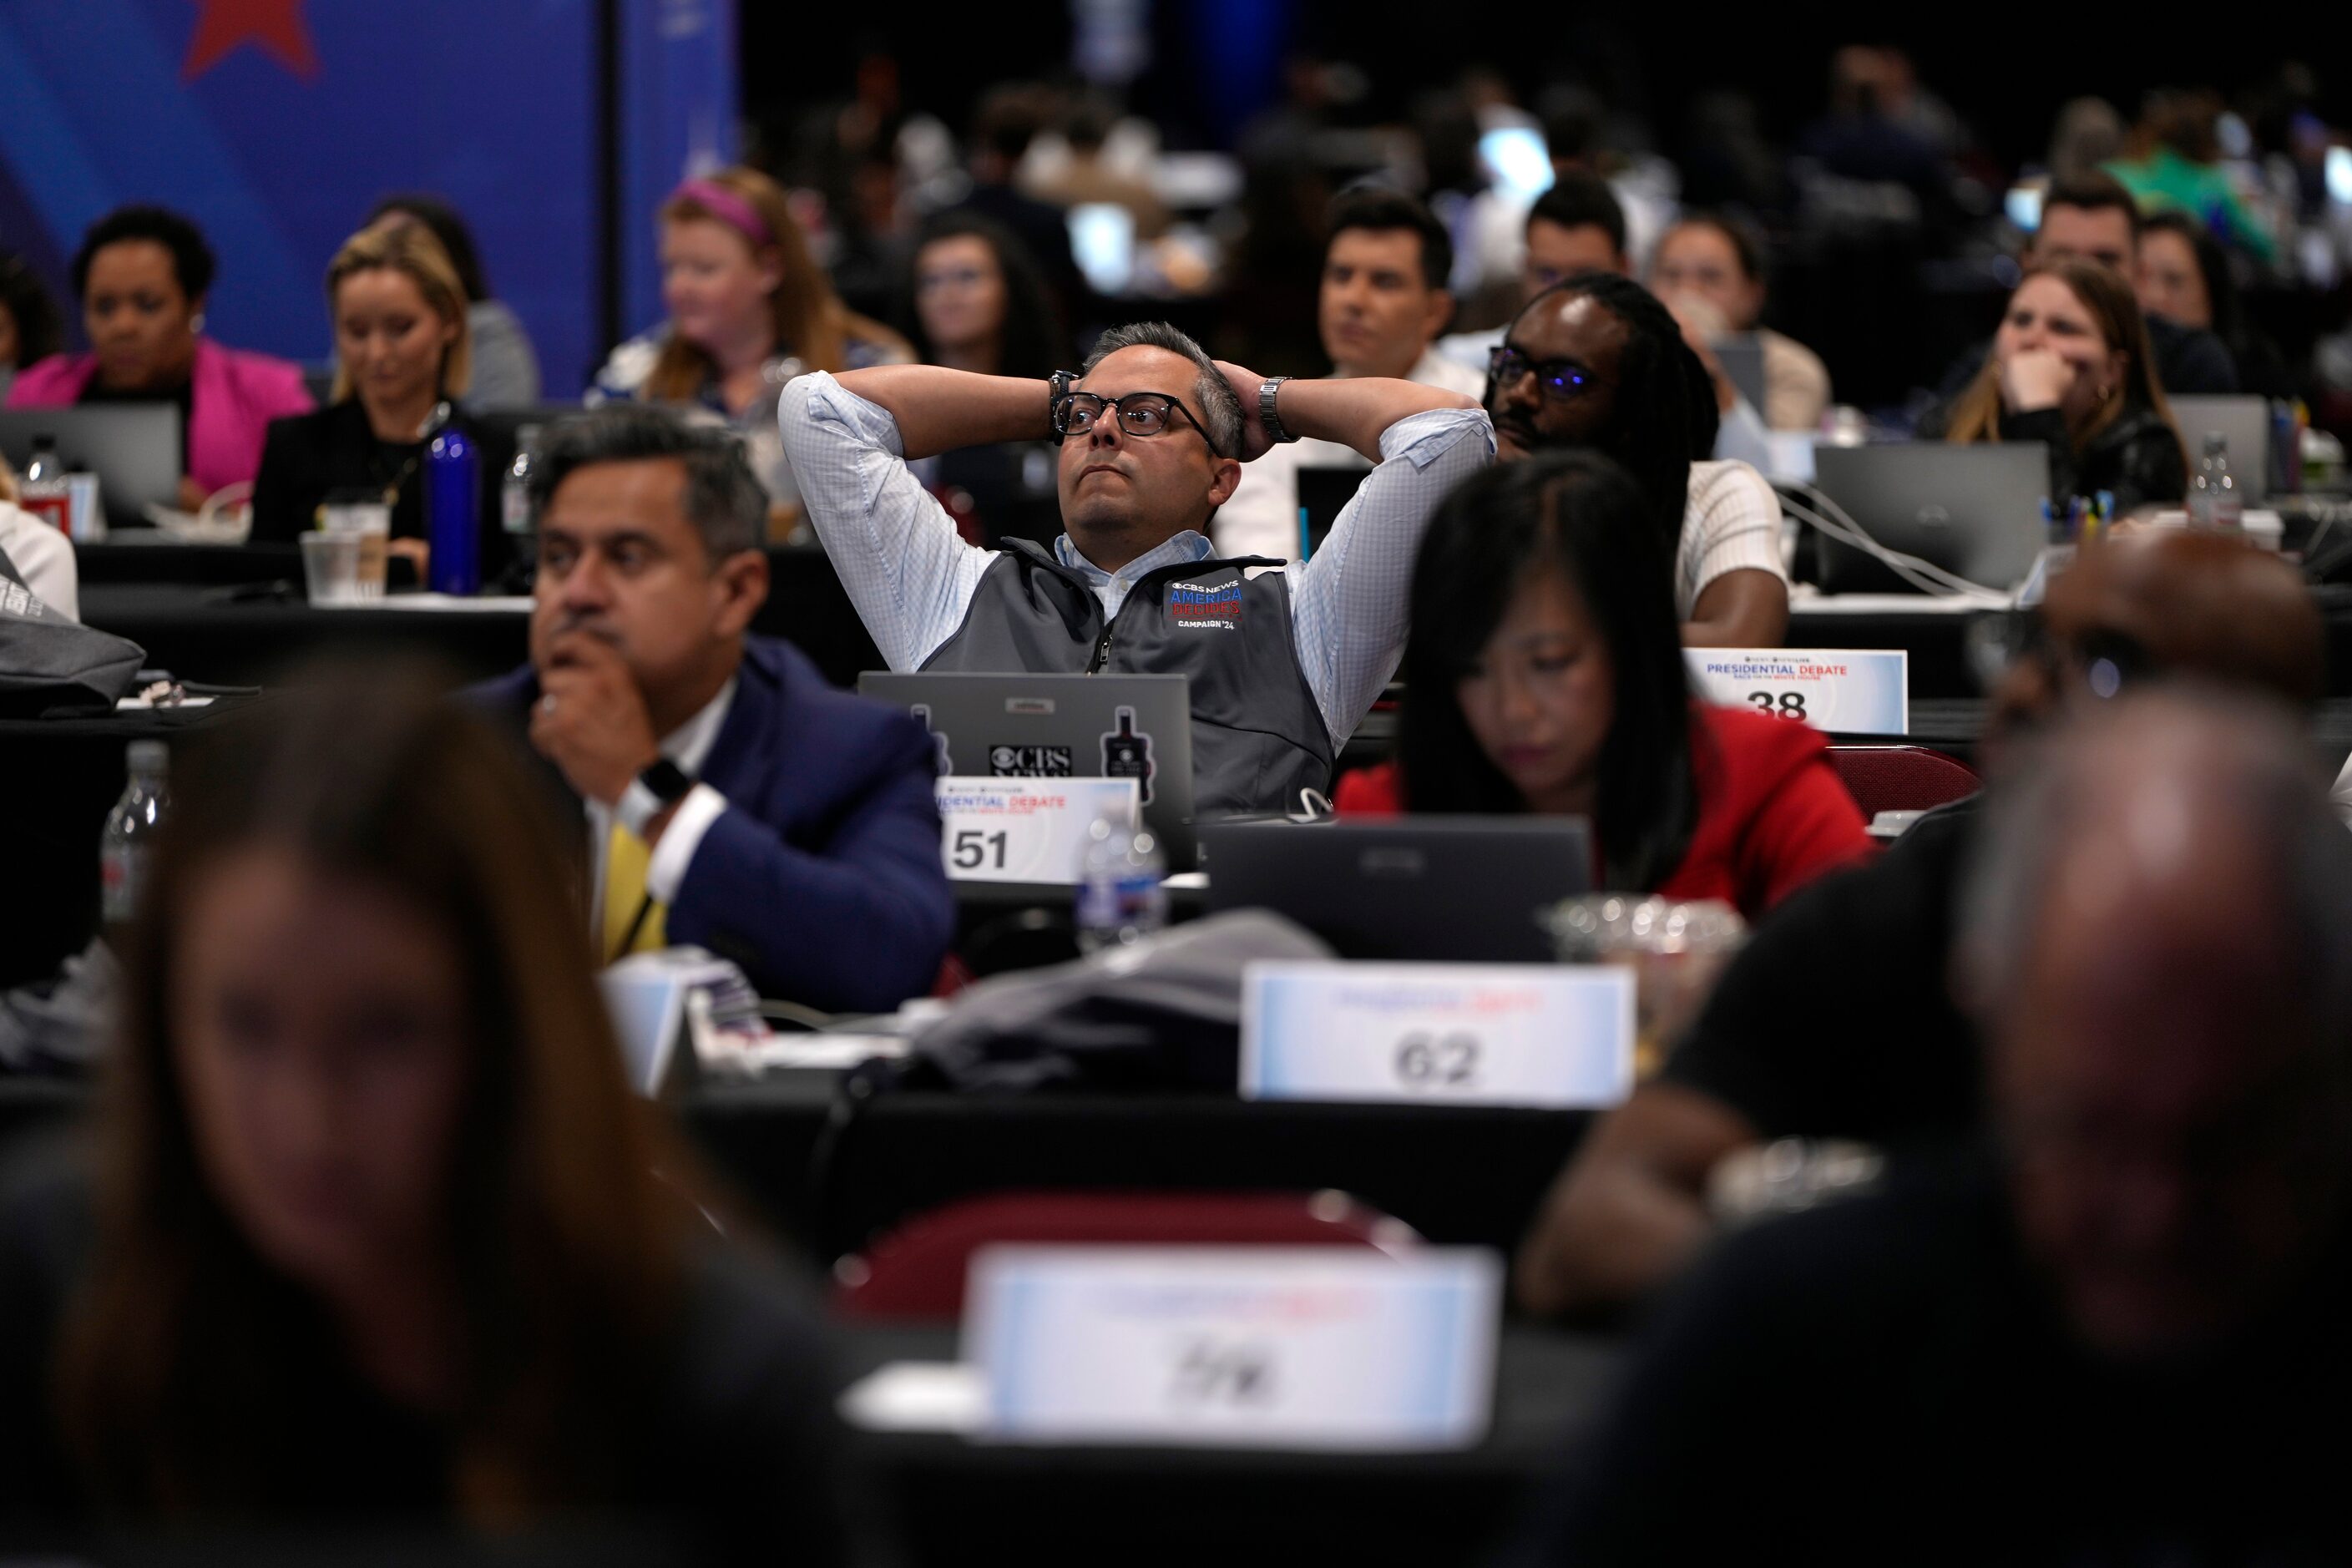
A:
[(1545, 674)]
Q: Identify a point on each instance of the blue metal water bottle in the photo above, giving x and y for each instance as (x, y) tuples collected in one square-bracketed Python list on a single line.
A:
[(453, 505)]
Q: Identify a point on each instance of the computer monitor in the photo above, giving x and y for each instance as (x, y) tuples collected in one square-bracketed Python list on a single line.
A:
[(133, 448), (1975, 510), (1324, 493), (2244, 423), (1466, 889), (1741, 356), (1063, 726)]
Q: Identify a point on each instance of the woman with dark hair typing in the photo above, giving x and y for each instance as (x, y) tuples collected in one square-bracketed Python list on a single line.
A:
[(1544, 673), (379, 1237), (2071, 368)]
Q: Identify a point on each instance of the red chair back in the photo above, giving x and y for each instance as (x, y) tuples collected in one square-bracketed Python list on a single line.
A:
[(1902, 778), (917, 1270)]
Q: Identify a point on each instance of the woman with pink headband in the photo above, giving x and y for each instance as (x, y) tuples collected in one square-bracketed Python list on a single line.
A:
[(749, 310)]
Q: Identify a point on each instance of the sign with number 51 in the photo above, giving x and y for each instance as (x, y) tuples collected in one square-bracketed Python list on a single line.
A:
[(1026, 830), (1853, 692)]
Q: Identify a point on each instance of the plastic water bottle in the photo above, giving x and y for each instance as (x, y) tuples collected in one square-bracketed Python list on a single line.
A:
[(45, 492), (1120, 899), (131, 829), (2213, 496), (514, 491), (453, 507)]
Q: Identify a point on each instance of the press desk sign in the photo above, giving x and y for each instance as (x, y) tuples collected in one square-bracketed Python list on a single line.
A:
[(1261, 1347), (1559, 1035), (1026, 830), (1855, 691)]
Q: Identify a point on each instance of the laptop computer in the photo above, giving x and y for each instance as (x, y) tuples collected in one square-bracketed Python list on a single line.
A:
[(1324, 491), (133, 448), (2244, 423), (1741, 356), (1971, 509), (1063, 726), (1466, 888)]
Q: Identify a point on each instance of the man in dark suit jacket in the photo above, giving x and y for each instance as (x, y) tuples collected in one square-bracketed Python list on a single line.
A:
[(734, 800)]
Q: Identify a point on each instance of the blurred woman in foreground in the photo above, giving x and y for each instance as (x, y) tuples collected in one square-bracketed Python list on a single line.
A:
[(377, 1238)]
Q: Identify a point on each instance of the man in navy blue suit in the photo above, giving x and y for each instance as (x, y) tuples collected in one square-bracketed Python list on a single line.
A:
[(734, 801)]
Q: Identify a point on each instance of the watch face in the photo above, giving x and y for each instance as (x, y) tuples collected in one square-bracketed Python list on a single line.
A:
[(668, 781)]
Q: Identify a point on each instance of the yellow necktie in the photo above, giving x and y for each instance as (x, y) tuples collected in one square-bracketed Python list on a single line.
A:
[(627, 858)]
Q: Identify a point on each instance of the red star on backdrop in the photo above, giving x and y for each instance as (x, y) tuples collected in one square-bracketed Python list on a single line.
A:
[(276, 26)]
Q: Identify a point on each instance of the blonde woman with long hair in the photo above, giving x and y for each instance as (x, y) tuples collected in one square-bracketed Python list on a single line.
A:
[(404, 357), (2071, 368)]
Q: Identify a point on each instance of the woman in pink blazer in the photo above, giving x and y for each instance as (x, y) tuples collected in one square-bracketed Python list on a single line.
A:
[(141, 274)]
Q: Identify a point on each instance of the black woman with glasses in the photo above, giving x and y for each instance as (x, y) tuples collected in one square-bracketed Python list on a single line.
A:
[(1283, 660), (1597, 363)]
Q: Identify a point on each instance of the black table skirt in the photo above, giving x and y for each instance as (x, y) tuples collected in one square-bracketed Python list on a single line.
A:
[(1459, 1175), (959, 1501)]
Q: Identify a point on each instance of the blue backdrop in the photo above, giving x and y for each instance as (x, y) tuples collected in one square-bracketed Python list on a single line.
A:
[(277, 123)]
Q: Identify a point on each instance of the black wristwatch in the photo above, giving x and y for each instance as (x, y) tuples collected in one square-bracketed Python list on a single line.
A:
[(661, 785), (1266, 416), (1057, 387)]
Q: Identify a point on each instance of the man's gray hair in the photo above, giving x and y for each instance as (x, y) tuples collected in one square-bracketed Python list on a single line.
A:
[(2245, 764), (1221, 406), (724, 500)]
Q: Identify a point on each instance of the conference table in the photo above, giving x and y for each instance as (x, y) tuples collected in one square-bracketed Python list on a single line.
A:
[(235, 615)]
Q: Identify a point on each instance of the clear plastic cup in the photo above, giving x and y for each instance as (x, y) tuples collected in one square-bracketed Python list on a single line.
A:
[(370, 521), (1677, 950), (330, 566)]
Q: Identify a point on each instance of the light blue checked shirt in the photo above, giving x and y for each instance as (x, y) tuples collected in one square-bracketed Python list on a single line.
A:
[(912, 577)]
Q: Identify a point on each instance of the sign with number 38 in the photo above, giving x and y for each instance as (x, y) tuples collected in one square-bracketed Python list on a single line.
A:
[(1852, 692)]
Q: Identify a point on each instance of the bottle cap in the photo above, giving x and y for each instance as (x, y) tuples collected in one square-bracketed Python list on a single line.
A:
[(149, 756)]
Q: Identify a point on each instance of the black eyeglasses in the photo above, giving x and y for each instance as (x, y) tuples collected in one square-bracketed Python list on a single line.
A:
[(1139, 414), (1560, 379)]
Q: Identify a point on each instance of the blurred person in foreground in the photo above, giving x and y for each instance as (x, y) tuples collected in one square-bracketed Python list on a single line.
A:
[(734, 801), (2093, 218), (977, 302), (404, 358), (748, 308), (144, 274), (1598, 363), (1382, 303), (1799, 1039), (1154, 435), (2115, 1330), (376, 1238), (506, 365), (1545, 675), (2071, 367), (1577, 225)]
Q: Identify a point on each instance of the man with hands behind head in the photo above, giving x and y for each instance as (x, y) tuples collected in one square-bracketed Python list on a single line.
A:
[(735, 800), (1153, 436)]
